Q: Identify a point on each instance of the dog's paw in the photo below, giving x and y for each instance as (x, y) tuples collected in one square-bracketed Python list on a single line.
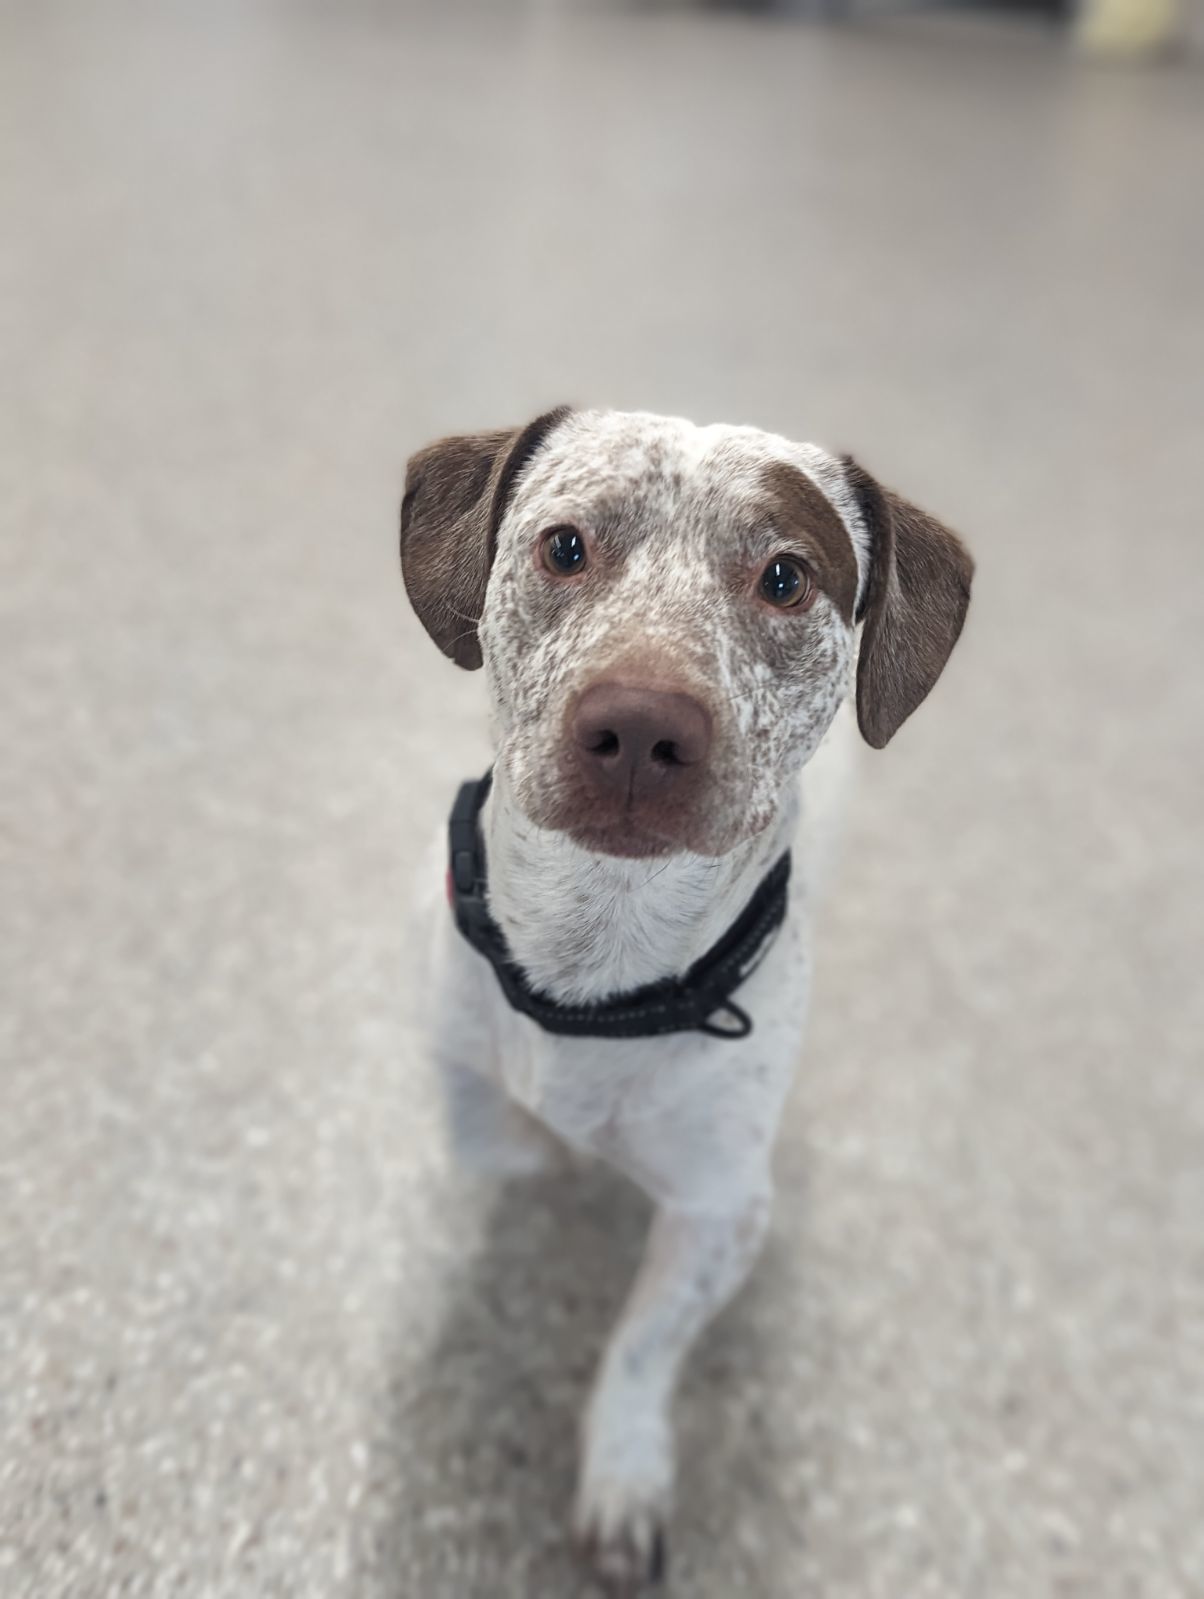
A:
[(623, 1505), (630, 1561)]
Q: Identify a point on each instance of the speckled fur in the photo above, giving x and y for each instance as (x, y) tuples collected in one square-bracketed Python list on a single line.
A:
[(677, 520)]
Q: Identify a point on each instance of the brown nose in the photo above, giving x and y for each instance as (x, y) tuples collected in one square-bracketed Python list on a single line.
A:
[(639, 742)]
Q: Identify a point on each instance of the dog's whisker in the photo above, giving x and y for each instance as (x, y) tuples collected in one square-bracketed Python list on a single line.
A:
[(463, 617), (467, 633), (653, 877)]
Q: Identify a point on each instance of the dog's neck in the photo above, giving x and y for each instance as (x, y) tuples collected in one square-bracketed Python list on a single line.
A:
[(584, 926)]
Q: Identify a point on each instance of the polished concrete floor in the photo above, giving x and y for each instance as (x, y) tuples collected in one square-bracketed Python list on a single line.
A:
[(255, 1338)]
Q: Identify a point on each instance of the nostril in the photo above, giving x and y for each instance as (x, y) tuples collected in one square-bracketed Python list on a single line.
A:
[(636, 739), (605, 741)]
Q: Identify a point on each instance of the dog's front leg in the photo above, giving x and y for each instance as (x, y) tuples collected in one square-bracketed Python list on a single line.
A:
[(489, 1134), (693, 1263)]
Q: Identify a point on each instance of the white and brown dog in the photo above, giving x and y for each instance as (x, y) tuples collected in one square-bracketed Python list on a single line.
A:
[(668, 616)]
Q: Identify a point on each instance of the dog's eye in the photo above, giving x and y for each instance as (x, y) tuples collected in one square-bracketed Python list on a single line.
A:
[(786, 582), (564, 551)]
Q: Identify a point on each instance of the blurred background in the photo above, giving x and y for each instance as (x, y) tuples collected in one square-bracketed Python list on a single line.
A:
[(255, 1337)]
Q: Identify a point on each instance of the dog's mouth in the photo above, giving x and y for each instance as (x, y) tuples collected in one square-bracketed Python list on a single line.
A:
[(683, 815)]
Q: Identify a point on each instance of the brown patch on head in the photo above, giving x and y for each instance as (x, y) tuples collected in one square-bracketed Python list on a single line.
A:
[(919, 589), (797, 506), (455, 493)]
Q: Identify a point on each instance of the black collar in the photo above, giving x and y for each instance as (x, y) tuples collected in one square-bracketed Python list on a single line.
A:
[(694, 1002)]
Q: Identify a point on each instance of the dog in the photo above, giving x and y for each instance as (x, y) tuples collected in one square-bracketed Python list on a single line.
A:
[(671, 618)]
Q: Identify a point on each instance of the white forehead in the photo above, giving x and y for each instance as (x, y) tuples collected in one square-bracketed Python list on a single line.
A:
[(607, 447)]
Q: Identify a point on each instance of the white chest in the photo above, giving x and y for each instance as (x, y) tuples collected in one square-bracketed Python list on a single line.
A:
[(682, 1115)]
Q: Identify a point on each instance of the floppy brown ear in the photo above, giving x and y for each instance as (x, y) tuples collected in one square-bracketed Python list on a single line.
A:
[(914, 606), (456, 490)]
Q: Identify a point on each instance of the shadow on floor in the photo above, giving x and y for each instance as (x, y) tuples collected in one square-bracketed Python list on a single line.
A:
[(473, 1489)]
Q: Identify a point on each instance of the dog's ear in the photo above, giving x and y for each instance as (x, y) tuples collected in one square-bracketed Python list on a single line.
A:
[(914, 606), (455, 493)]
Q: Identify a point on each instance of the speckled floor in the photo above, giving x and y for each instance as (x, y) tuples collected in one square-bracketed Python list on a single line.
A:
[(255, 1339)]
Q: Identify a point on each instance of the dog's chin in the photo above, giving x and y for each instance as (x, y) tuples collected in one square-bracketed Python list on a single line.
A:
[(623, 841), (639, 838)]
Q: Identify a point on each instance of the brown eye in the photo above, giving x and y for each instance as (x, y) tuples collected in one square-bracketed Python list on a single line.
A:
[(564, 551), (786, 582)]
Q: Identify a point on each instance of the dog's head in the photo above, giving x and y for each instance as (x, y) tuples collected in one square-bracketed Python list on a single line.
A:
[(667, 614)]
